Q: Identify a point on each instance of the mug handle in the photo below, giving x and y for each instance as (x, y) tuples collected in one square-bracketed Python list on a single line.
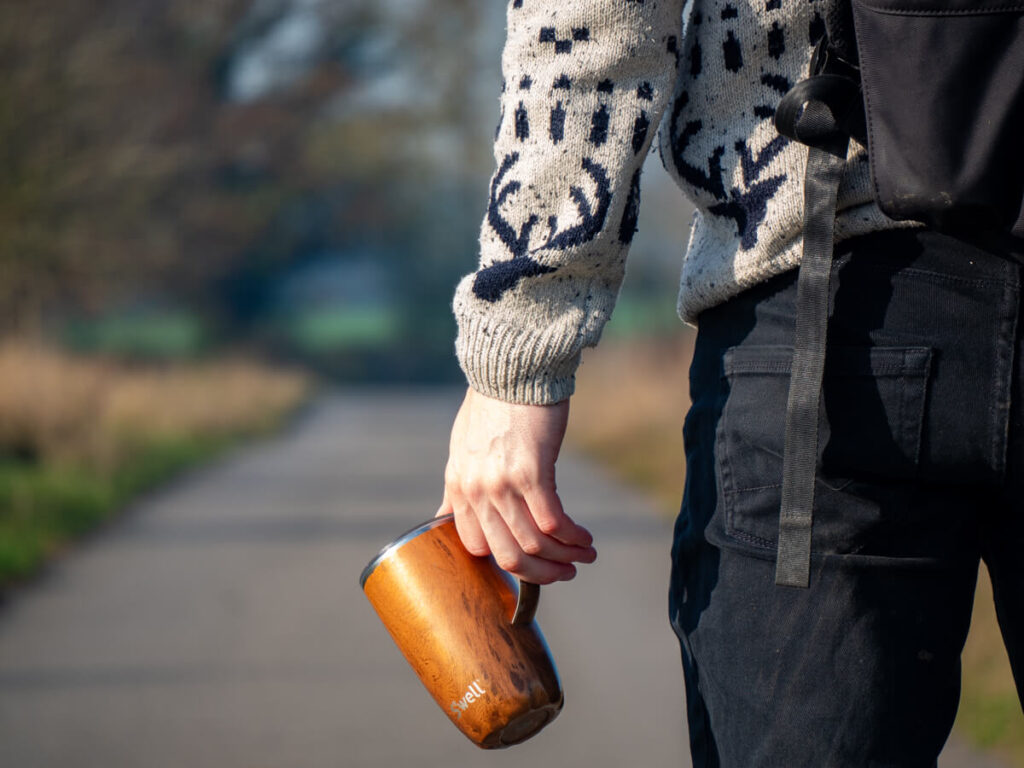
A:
[(526, 605)]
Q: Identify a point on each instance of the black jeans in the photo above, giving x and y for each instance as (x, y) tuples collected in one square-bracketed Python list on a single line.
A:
[(921, 474)]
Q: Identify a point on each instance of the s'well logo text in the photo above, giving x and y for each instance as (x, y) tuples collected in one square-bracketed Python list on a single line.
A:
[(473, 693)]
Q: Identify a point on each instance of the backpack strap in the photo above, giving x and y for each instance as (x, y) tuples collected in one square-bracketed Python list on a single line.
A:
[(818, 112)]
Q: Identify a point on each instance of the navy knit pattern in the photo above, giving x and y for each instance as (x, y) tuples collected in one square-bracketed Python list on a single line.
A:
[(588, 84)]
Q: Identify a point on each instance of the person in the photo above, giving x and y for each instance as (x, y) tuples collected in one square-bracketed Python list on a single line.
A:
[(922, 449)]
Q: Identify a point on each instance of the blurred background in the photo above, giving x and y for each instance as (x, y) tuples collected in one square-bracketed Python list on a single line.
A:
[(208, 205), (217, 215)]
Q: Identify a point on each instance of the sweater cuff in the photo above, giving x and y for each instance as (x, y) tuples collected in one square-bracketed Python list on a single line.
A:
[(508, 363)]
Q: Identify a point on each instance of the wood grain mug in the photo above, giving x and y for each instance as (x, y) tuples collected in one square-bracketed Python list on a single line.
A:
[(466, 631)]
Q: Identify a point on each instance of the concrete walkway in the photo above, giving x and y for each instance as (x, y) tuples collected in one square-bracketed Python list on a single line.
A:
[(220, 622)]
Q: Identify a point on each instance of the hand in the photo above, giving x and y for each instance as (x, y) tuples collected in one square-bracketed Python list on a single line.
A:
[(500, 483)]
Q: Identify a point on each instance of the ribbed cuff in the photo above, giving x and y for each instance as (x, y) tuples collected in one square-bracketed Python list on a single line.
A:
[(507, 363)]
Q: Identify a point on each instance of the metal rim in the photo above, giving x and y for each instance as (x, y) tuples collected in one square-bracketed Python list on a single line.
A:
[(408, 536)]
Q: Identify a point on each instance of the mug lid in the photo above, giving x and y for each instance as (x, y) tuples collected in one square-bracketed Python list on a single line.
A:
[(403, 539)]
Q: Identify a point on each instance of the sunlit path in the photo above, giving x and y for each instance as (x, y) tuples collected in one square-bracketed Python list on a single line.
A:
[(220, 622)]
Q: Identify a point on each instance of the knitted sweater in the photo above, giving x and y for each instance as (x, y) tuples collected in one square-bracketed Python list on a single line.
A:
[(585, 82)]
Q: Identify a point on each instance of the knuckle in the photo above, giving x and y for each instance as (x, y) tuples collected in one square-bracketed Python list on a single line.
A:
[(451, 475), (473, 487), (532, 547), (496, 483), (510, 561), (523, 477), (550, 524)]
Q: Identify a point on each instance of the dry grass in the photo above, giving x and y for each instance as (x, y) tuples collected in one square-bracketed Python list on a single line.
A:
[(627, 412), (65, 410), (990, 713), (80, 437)]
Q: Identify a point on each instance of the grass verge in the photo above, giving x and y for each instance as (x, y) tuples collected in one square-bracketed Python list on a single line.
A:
[(80, 437), (627, 413)]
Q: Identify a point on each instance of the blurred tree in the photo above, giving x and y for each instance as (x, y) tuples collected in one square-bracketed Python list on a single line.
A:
[(198, 150)]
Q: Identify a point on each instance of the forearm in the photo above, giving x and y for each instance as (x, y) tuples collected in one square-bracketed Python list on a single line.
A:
[(585, 86)]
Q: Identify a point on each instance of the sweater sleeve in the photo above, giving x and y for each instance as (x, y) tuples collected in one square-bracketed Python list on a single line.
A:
[(585, 83)]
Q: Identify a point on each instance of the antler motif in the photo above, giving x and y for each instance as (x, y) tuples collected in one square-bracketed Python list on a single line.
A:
[(516, 242), (746, 205), (591, 217), (710, 180), (492, 282)]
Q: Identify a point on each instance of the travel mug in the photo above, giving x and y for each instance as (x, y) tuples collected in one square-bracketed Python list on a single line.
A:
[(467, 632)]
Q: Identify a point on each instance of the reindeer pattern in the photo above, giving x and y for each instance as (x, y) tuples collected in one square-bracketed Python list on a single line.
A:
[(734, 61), (568, 146), (737, 60), (587, 84)]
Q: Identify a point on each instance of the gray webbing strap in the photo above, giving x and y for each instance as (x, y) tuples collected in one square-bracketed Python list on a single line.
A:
[(800, 456), (825, 163), (820, 113)]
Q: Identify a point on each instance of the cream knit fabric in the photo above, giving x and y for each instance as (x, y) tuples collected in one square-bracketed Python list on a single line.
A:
[(585, 82)]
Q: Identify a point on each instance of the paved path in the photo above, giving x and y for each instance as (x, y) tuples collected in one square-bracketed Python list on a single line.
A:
[(220, 622)]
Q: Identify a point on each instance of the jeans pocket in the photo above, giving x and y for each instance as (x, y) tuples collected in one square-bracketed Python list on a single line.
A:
[(870, 430)]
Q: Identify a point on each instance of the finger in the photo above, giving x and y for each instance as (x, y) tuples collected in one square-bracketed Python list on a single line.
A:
[(472, 535), (446, 506), (511, 557), (551, 520), (533, 541), (468, 527)]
